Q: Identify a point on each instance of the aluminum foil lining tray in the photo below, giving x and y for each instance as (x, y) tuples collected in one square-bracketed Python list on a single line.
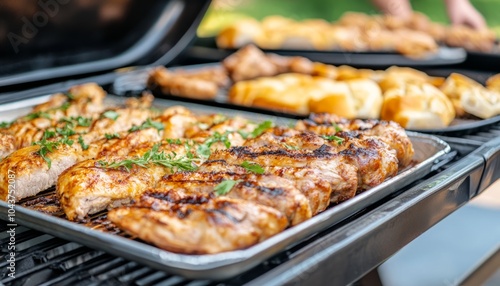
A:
[(429, 150)]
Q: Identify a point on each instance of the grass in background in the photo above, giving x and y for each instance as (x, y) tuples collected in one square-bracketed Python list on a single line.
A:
[(225, 12)]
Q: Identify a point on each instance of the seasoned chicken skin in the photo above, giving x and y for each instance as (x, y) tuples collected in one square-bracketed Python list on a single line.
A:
[(309, 181), (33, 174), (341, 175), (84, 101), (90, 186), (198, 224), (268, 190), (389, 132)]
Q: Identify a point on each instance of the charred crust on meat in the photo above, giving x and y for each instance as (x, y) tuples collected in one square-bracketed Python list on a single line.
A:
[(275, 192)]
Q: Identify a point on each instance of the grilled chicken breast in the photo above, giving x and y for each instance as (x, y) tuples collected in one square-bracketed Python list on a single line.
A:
[(268, 190), (84, 101), (309, 181), (334, 168), (32, 172), (89, 186), (390, 133), (198, 225)]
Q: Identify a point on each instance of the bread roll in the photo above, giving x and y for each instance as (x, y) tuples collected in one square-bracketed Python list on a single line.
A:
[(285, 93), (417, 107), (400, 76), (337, 99), (480, 102), (454, 86), (240, 34), (359, 98), (493, 83), (367, 98)]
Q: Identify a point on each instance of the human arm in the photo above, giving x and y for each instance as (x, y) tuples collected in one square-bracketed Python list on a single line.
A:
[(461, 12)]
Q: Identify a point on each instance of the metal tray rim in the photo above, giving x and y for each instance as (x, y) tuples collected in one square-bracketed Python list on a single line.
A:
[(234, 262)]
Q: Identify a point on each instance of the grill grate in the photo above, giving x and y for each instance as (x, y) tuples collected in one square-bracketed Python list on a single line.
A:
[(42, 259)]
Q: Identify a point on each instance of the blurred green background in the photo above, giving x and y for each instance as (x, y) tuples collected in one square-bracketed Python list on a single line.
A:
[(224, 12)]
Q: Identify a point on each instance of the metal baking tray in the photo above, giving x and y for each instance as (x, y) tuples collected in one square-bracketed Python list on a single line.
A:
[(458, 127), (429, 152), (205, 50)]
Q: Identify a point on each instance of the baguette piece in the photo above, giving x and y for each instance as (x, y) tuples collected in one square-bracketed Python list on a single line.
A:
[(417, 107)]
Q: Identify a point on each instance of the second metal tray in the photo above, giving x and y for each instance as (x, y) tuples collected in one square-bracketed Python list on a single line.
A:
[(428, 152)]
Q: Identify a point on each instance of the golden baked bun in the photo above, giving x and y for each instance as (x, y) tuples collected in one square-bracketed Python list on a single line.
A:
[(493, 83), (454, 85), (358, 98), (302, 94), (348, 72), (367, 97), (240, 34), (285, 93), (400, 76), (417, 107), (337, 100), (480, 102)]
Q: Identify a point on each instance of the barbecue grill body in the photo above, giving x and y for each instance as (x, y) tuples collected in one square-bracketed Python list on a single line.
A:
[(157, 32)]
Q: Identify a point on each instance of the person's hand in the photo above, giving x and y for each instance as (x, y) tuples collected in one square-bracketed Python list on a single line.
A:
[(461, 12)]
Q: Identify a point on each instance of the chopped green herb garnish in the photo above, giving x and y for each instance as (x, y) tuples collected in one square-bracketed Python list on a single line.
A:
[(337, 127), (203, 150), (5, 124), (243, 134), (47, 147), (66, 141), (45, 114), (82, 143), (290, 147), (38, 114), (47, 134), (64, 106), (65, 131), (79, 121), (69, 95), (219, 119), (84, 121), (225, 187), (174, 141), (261, 128), (111, 114), (154, 156), (148, 124), (110, 136), (337, 139), (253, 167)]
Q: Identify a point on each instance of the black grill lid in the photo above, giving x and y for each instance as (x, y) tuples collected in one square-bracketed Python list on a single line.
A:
[(50, 39)]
